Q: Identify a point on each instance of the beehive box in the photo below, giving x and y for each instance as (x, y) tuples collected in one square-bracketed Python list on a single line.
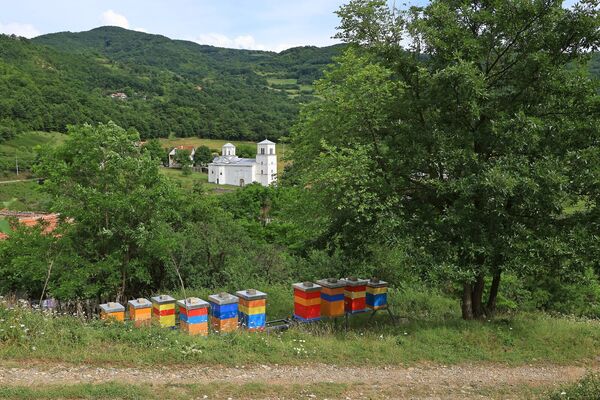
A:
[(163, 310), (355, 300), (113, 311), (332, 297), (140, 312), (307, 301), (377, 294), (193, 316), (252, 309), (224, 312)]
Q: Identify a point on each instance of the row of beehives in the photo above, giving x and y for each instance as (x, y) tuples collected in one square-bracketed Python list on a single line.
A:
[(227, 312), (337, 297), (327, 298)]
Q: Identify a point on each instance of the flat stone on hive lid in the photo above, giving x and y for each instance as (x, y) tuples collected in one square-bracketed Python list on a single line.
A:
[(162, 299), (374, 282), (332, 283), (223, 298), (192, 303), (353, 281), (140, 303), (307, 286), (251, 294), (112, 307)]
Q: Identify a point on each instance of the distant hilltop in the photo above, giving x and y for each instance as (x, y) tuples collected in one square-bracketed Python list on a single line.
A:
[(154, 84)]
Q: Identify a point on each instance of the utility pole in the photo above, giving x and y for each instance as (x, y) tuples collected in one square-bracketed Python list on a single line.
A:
[(17, 162)]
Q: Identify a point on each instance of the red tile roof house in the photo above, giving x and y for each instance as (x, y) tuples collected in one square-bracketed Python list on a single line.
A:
[(31, 219), (173, 163)]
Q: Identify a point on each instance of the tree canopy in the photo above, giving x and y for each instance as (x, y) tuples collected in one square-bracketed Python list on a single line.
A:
[(456, 131)]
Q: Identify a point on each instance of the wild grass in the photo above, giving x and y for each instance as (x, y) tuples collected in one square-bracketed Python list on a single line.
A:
[(587, 388), (426, 333), (175, 392), (23, 196)]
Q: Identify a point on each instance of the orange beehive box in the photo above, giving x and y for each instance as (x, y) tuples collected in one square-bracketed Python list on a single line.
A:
[(332, 297), (112, 311), (140, 312), (194, 329), (224, 325)]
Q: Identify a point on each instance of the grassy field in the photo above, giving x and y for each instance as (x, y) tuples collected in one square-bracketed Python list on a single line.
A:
[(430, 331), (23, 196), (290, 86), (21, 148), (214, 144), (189, 181)]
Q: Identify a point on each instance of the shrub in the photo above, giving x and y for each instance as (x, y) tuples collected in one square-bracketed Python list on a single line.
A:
[(586, 389)]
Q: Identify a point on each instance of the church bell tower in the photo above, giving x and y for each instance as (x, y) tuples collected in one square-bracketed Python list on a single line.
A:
[(266, 162)]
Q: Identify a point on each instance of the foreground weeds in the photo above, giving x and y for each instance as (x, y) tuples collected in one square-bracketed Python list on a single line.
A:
[(423, 336)]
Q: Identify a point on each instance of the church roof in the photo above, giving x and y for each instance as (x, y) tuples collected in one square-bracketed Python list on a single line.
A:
[(233, 160), (266, 141)]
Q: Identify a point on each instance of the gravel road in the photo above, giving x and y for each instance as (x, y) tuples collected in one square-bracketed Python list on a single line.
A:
[(421, 382)]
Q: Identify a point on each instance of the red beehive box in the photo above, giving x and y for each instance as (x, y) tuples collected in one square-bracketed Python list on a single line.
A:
[(307, 301), (355, 295)]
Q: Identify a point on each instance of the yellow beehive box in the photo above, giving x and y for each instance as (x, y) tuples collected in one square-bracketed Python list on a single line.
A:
[(163, 310)]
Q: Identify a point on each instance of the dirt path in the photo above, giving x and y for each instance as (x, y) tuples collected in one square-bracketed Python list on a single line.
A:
[(431, 382), (17, 181)]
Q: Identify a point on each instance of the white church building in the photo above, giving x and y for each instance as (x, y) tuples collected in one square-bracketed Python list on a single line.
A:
[(229, 169)]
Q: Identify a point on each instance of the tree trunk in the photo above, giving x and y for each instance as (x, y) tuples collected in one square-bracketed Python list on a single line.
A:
[(491, 303), (477, 296), (467, 305), (121, 292)]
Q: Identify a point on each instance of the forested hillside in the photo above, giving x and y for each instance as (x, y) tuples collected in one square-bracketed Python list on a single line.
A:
[(173, 87)]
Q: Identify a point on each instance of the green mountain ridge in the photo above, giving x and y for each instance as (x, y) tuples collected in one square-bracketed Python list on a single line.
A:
[(173, 87)]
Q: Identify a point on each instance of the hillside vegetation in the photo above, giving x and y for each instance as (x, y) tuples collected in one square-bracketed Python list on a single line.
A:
[(173, 87)]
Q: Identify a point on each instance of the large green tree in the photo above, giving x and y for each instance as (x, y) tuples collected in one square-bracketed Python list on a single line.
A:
[(455, 130), (118, 206)]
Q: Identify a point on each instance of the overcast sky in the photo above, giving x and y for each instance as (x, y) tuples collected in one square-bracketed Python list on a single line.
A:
[(245, 24)]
